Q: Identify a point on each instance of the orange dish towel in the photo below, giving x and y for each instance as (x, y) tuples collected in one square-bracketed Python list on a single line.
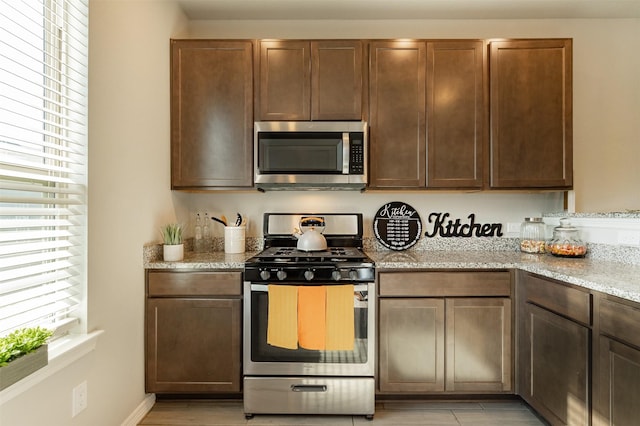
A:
[(311, 317), (340, 318), (282, 321)]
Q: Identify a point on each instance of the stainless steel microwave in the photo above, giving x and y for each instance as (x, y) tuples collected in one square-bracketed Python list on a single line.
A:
[(310, 155)]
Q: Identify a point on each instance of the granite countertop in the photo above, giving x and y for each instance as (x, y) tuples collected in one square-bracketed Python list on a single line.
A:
[(614, 278)]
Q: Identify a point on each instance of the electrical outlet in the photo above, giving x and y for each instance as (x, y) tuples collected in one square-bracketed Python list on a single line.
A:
[(79, 399), (629, 238)]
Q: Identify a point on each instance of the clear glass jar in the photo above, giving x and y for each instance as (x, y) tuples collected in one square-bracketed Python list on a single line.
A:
[(532, 235), (566, 241)]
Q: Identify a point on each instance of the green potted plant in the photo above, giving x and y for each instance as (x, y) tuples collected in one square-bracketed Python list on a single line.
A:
[(21, 353), (173, 249)]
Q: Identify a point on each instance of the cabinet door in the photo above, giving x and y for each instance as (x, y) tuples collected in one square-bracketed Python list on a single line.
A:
[(336, 80), (619, 386), (478, 342), (554, 365), (411, 347), (455, 114), (285, 92), (211, 114), (531, 114), (193, 345), (397, 114)]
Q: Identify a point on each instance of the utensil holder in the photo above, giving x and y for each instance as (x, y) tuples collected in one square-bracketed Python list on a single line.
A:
[(234, 239)]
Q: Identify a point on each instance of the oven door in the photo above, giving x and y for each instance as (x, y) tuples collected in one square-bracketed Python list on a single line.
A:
[(262, 359)]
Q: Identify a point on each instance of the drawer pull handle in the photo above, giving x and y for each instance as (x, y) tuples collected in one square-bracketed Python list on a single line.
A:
[(309, 388)]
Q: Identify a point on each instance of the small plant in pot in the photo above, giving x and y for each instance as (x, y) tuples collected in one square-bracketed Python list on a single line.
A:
[(21, 353), (173, 248)]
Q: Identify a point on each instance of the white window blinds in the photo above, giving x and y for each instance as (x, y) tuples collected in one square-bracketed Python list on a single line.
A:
[(43, 161)]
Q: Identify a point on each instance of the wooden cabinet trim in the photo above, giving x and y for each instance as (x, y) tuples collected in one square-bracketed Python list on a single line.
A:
[(620, 321), (444, 284), (204, 283), (559, 297)]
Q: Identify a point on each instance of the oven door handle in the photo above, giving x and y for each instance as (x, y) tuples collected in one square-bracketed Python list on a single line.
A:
[(308, 388), (265, 287)]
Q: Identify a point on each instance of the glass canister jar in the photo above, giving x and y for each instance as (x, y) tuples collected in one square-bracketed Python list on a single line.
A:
[(532, 235), (566, 241)]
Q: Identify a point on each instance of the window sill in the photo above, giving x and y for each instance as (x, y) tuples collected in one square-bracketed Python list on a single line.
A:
[(62, 352)]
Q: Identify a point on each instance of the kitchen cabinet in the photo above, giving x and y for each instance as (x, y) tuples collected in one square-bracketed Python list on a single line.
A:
[(310, 80), (397, 114), (617, 385), (193, 332), (554, 349), (444, 332), (211, 114), (427, 114), (456, 114), (531, 114)]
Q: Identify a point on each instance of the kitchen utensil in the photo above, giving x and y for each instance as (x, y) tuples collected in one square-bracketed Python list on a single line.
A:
[(238, 219), (311, 239), (221, 221)]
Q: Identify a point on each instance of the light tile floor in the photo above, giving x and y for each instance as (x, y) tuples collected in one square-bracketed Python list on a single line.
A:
[(396, 413)]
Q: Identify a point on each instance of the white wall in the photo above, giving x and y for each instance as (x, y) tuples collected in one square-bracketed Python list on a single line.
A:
[(129, 194)]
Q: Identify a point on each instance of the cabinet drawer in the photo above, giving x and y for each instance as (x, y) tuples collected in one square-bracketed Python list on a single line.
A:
[(168, 284), (441, 284), (621, 321), (559, 298)]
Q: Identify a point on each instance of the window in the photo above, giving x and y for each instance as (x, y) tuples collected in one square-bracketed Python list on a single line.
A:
[(43, 162)]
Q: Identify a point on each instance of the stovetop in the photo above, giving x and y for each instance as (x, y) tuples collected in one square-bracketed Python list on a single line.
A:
[(291, 254)]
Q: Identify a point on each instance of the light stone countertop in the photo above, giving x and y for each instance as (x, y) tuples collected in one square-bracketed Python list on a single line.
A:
[(614, 278), (610, 277)]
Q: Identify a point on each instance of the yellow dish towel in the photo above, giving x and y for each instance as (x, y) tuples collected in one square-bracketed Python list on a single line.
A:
[(311, 317), (282, 321), (340, 318)]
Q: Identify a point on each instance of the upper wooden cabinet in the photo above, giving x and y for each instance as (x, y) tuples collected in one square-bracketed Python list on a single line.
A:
[(310, 80), (455, 114), (211, 114), (397, 114), (427, 114), (531, 114)]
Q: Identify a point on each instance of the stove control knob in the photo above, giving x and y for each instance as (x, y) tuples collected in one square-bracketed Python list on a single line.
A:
[(353, 275), (336, 275), (281, 275), (265, 274), (308, 275)]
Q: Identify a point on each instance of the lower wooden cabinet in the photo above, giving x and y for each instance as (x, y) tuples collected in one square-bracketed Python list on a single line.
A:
[(554, 350), (617, 389), (433, 343), (193, 332)]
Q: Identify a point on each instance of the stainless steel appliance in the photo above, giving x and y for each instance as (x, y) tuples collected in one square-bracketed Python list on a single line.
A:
[(295, 380), (310, 155)]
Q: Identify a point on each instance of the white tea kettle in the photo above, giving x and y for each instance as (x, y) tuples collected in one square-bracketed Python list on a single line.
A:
[(311, 239)]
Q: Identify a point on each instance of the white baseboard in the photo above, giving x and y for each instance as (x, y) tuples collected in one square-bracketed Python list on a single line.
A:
[(141, 410)]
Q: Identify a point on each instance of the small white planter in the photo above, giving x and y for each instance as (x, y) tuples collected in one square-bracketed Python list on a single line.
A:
[(173, 253), (22, 366)]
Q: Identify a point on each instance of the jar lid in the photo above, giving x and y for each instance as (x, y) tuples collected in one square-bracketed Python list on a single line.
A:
[(533, 219), (565, 225)]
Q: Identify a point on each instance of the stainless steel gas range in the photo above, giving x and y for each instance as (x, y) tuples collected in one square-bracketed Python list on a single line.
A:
[(309, 321)]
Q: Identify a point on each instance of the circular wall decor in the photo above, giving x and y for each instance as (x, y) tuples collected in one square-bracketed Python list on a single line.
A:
[(397, 225)]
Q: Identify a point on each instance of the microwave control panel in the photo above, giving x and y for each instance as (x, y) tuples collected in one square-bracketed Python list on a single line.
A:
[(356, 148)]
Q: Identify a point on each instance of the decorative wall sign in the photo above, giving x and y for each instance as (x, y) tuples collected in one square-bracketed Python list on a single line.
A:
[(397, 225), (449, 228)]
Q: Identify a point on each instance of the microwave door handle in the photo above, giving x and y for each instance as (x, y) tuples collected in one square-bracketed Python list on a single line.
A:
[(346, 153)]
